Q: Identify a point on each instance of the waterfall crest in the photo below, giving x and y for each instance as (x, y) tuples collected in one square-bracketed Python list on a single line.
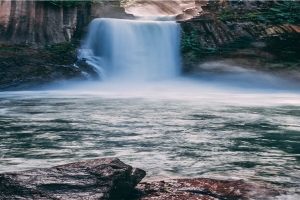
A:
[(133, 50)]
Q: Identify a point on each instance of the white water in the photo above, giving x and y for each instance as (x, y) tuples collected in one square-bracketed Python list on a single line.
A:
[(133, 50)]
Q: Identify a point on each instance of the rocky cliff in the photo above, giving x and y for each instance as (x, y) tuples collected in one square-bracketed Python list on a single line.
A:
[(41, 22), (268, 31), (35, 47), (34, 22)]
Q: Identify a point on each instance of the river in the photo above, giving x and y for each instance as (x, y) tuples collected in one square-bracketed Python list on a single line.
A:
[(164, 128)]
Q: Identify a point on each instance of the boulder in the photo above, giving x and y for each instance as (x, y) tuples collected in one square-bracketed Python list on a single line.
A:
[(203, 189), (106, 178)]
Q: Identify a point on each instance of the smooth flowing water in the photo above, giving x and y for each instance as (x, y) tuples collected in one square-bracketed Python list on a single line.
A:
[(133, 50), (221, 126), (168, 133)]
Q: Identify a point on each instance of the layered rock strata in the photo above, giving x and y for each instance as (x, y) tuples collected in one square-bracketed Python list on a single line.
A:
[(246, 30), (41, 22)]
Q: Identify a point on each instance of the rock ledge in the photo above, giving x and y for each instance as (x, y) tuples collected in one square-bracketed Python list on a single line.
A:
[(106, 178)]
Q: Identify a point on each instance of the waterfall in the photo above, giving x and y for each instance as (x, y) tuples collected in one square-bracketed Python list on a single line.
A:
[(133, 50)]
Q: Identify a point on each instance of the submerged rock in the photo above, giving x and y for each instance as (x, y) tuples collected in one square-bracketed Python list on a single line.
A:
[(106, 178)]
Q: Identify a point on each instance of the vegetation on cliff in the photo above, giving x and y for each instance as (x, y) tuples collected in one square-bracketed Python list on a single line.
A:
[(63, 3), (66, 3), (275, 13), (264, 36)]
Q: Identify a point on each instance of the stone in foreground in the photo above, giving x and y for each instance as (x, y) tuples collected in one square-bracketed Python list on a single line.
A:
[(203, 189), (106, 178)]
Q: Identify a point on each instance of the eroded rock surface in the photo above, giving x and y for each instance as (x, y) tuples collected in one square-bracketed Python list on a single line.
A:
[(42, 22), (203, 189), (106, 178)]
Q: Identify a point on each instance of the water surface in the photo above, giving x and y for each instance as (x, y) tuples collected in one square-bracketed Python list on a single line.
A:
[(170, 130)]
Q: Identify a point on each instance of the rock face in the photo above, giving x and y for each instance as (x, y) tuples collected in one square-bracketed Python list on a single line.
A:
[(182, 9), (203, 189), (265, 31), (109, 9), (30, 22), (40, 22), (106, 178), (25, 67)]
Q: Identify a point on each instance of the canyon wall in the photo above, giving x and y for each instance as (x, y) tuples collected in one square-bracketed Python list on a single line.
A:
[(266, 31), (223, 22), (40, 22), (218, 26), (33, 22)]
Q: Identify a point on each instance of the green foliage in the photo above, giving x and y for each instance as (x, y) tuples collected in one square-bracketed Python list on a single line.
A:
[(13, 48), (282, 13), (225, 14), (191, 48), (63, 3), (62, 47), (190, 42)]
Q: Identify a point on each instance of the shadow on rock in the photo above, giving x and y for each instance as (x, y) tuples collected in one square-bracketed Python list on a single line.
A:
[(106, 178)]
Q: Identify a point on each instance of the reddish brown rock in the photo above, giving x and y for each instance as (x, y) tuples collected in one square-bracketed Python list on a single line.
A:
[(204, 189), (42, 22), (106, 178)]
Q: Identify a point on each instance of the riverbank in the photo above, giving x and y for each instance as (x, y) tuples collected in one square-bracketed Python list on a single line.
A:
[(27, 67)]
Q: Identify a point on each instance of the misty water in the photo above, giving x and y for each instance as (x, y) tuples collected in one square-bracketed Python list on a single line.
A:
[(236, 124)]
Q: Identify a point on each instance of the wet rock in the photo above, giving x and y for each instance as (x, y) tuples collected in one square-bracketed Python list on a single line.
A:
[(204, 189), (87, 70), (27, 67), (106, 178)]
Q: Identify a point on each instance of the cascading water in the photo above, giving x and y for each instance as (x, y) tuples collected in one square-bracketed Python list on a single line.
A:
[(133, 50)]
